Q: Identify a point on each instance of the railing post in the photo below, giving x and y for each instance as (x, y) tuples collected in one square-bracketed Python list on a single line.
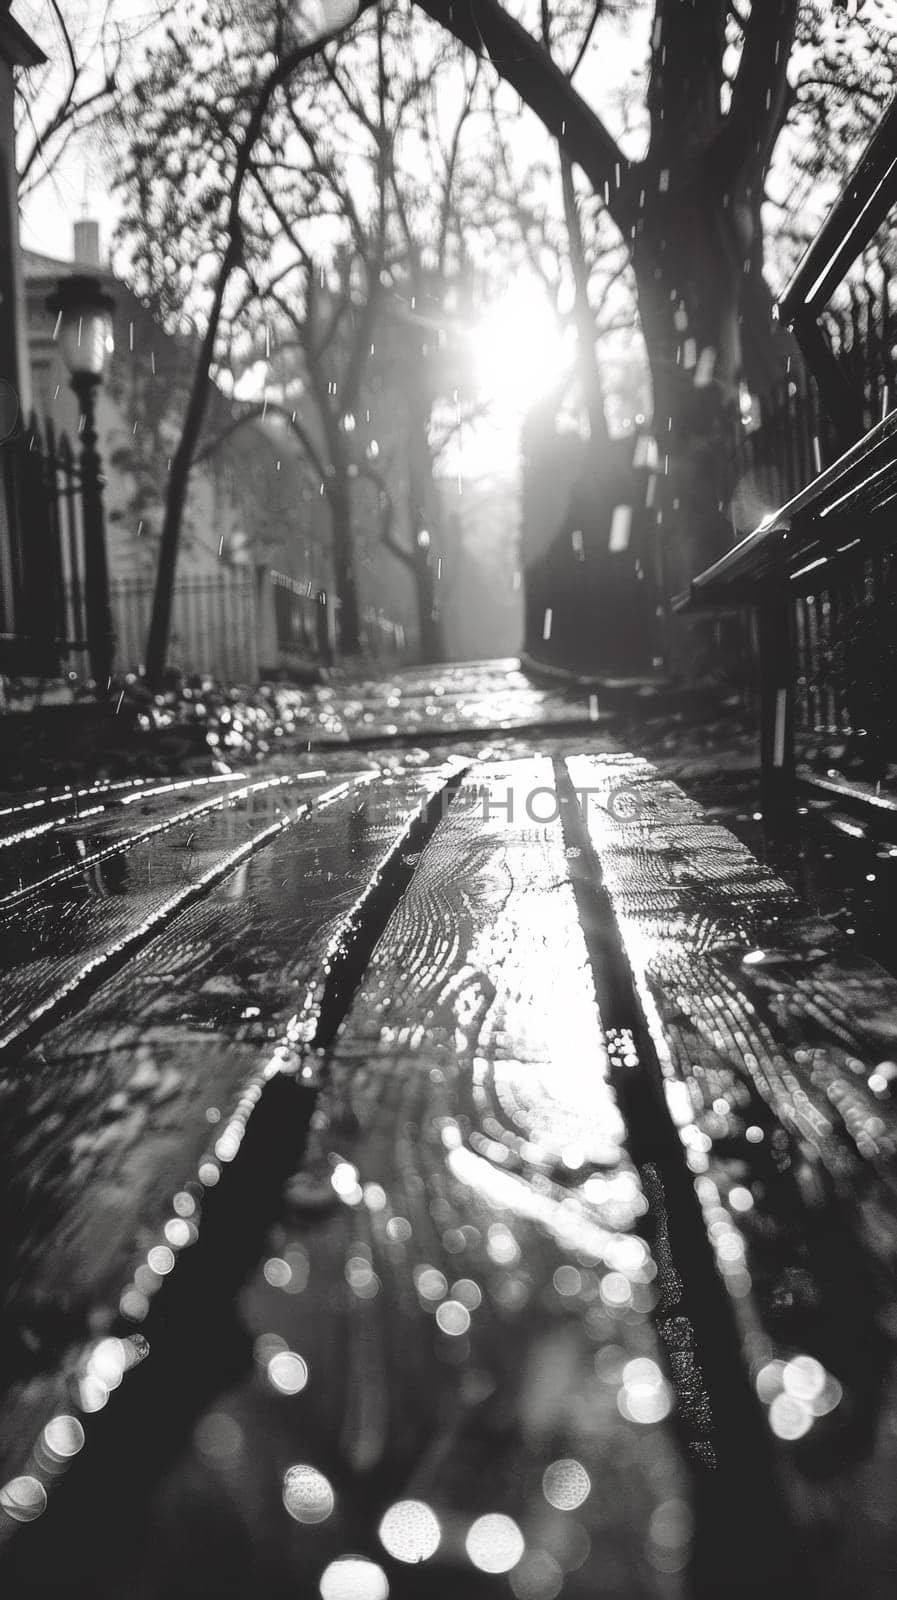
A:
[(325, 650), (777, 685), (842, 404), (39, 557), (68, 513), (100, 644)]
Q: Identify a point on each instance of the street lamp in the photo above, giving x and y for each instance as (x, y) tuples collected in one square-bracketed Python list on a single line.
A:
[(84, 329)]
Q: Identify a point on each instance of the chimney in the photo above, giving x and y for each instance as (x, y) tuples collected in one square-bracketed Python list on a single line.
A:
[(86, 248)]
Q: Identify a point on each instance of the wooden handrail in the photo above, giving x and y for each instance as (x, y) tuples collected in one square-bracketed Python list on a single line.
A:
[(866, 200), (869, 195)]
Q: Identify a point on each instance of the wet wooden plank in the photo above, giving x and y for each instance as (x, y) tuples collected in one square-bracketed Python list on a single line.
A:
[(66, 932), (118, 1109), (690, 897), (33, 814), (774, 1037), (454, 702), (77, 842), (454, 1307)]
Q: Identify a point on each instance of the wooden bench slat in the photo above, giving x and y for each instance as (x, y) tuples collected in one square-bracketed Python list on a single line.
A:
[(111, 826), (39, 812), (466, 1165), (116, 1108), (691, 898), (482, 1236), (63, 935), (769, 1029)]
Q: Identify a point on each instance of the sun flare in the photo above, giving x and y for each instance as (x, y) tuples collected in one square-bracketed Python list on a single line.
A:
[(520, 350)]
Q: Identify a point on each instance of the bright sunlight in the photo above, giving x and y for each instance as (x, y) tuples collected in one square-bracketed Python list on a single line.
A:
[(520, 350), (519, 354)]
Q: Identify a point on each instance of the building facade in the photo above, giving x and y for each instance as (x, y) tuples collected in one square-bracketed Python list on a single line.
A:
[(251, 510), (17, 51)]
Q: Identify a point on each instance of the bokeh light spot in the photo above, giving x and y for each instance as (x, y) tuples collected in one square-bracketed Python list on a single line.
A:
[(501, 1245), (646, 1396), (287, 1372), (277, 1272), (789, 1417), (353, 1578), (23, 1499), (218, 1437), (804, 1378), (64, 1437), (107, 1362), (566, 1484), (538, 1577), (307, 1494), (568, 1281), (430, 1283), (494, 1543), (180, 1233), (410, 1531), (453, 1318), (468, 1293)]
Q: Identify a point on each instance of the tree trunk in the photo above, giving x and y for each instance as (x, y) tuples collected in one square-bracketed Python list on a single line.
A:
[(706, 315), (182, 461), (432, 644), (690, 216), (586, 360), (339, 498), (338, 491), (425, 522), (179, 477)]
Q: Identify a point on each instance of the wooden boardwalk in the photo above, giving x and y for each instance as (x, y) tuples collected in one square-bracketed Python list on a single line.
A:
[(448, 1163)]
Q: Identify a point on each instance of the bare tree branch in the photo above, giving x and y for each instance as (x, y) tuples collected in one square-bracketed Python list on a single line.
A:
[(492, 33), (255, 414), (760, 91)]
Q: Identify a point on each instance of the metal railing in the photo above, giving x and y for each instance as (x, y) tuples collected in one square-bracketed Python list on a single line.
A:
[(301, 620), (231, 623), (44, 600), (795, 437), (821, 571)]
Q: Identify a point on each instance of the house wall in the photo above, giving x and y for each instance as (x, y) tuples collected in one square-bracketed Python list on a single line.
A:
[(13, 354), (251, 507), (9, 364), (13, 347), (137, 431), (248, 502)]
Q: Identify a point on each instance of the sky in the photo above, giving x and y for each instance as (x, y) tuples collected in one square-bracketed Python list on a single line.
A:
[(511, 373), (79, 185)]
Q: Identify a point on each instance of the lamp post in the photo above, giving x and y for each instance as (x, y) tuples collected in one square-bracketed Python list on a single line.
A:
[(84, 328)]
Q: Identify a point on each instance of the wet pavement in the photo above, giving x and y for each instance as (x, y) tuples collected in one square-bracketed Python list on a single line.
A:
[(444, 1166)]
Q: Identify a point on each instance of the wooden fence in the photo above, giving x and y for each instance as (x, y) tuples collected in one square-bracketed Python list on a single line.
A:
[(239, 624), (213, 624)]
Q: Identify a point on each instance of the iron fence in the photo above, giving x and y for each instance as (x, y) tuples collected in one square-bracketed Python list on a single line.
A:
[(381, 638), (43, 606), (302, 621), (820, 565), (232, 623), (794, 437)]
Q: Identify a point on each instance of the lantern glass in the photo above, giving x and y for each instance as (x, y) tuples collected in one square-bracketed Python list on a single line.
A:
[(85, 338)]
